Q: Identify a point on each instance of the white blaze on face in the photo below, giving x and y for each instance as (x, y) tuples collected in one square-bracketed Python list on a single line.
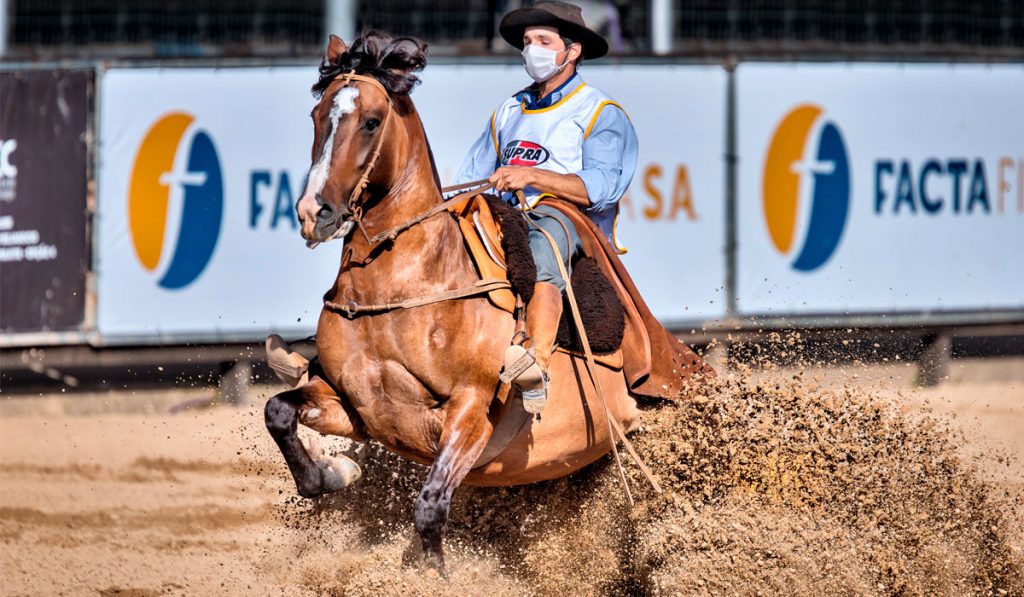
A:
[(344, 103)]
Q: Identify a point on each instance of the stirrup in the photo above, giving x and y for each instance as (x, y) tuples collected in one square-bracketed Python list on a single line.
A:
[(518, 360)]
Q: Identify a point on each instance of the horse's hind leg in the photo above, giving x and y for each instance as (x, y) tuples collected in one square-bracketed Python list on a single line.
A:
[(320, 408), (463, 438)]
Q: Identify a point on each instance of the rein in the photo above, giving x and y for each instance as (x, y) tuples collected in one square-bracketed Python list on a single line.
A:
[(615, 431), (351, 309), (475, 188)]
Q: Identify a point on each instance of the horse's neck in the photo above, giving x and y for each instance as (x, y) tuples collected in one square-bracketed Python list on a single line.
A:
[(426, 258)]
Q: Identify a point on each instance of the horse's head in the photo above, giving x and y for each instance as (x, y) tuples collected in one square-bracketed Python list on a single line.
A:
[(355, 134)]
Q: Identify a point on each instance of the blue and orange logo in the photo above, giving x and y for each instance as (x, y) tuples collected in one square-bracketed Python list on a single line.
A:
[(175, 157), (792, 156)]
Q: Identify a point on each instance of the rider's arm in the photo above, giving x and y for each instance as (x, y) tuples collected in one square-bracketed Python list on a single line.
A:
[(609, 158), (481, 160), (566, 186)]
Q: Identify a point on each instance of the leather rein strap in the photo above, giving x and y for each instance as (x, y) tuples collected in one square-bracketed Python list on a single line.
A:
[(475, 188), (352, 309)]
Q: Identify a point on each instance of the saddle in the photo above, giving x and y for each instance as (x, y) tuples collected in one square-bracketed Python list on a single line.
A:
[(654, 362)]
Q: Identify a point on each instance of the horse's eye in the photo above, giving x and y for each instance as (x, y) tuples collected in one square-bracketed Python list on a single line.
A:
[(371, 124)]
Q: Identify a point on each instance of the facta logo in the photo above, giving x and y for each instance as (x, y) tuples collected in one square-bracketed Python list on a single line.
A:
[(806, 186), (175, 200)]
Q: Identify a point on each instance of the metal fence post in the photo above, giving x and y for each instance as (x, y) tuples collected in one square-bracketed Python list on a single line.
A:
[(730, 190), (661, 26), (5, 23), (340, 19)]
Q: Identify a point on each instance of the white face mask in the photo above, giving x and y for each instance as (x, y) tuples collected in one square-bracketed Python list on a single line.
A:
[(540, 62)]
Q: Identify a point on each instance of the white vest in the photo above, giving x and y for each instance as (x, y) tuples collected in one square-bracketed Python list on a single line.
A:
[(550, 138)]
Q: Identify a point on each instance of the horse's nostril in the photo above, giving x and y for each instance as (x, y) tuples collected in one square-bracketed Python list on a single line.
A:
[(325, 215)]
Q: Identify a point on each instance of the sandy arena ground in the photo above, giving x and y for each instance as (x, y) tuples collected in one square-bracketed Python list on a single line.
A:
[(111, 495)]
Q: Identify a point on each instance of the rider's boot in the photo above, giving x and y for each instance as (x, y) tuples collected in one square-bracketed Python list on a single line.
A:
[(290, 367), (542, 316)]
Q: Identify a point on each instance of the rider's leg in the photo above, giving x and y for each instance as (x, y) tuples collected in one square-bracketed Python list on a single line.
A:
[(545, 308), (542, 316)]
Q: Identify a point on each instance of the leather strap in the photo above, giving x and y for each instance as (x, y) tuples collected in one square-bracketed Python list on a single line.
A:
[(351, 309), (364, 178), (448, 204)]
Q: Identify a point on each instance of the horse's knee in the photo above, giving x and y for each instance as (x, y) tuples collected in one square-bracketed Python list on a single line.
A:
[(330, 417), (280, 416)]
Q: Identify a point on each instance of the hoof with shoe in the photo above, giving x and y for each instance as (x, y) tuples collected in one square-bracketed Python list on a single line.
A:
[(289, 366), (337, 472)]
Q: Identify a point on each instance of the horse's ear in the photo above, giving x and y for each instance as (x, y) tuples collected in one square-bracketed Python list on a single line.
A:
[(335, 48)]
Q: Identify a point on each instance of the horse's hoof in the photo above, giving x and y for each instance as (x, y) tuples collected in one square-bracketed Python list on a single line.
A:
[(290, 367), (338, 472)]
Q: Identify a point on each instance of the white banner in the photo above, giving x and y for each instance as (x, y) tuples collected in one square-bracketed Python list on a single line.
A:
[(870, 188), (199, 171)]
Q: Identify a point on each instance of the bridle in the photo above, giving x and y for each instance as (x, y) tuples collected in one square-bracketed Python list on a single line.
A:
[(354, 217), (355, 206)]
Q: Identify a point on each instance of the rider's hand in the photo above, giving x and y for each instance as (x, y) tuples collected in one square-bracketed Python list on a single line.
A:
[(512, 178)]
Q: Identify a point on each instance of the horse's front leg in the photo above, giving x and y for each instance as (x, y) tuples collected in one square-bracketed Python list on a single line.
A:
[(319, 407), (464, 435)]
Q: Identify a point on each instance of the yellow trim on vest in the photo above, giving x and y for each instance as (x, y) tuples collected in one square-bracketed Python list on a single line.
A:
[(532, 204), (494, 135), (615, 238), (525, 110), (597, 113)]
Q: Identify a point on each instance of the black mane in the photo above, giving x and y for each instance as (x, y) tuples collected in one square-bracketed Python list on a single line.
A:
[(390, 60)]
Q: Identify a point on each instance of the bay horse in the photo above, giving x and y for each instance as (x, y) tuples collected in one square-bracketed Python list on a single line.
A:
[(420, 381)]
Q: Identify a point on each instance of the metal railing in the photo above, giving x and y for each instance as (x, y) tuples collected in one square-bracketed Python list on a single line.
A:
[(162, 28), (702, 29)]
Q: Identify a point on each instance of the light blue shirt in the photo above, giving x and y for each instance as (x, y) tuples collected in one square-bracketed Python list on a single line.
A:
[(609, 156)]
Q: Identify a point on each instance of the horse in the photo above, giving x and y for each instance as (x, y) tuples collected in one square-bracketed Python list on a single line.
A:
[(421, 381)]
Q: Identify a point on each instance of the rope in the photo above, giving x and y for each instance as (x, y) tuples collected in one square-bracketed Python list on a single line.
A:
[(614, 429)]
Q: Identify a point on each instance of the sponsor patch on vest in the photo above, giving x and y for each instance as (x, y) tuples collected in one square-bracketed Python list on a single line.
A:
[(524, 153)]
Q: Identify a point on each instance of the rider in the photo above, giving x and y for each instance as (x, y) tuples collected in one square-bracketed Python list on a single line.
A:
[(558, 138)]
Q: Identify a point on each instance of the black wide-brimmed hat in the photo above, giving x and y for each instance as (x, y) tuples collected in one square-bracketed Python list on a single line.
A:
[(567, 18)]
